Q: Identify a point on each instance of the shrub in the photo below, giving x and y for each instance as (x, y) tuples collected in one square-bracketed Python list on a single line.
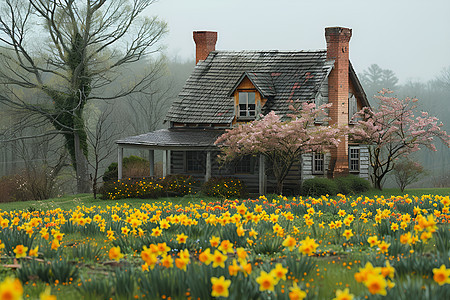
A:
[(359, 185), (352, 185), (9, 185), (178, 185), (26, 186), (226, 187), (129, 188), (133, 166), (319, 186)]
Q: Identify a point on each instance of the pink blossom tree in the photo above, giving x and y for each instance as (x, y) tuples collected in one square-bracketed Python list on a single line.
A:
[(281, 141), (393, 131)]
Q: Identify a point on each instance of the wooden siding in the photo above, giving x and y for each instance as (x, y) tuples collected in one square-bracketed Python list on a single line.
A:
[(291, 184), (364, 162)]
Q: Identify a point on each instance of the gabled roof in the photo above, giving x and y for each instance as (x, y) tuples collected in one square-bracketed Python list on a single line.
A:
[(262, 81), (291, 75)]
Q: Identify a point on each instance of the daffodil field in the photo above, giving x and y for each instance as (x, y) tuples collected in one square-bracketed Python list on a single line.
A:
[(277, 248)]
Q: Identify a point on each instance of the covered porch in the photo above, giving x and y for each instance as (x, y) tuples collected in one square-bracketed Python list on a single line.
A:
[(178, 146)]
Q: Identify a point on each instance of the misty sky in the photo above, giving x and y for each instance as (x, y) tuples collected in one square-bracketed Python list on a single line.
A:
[(410, 37)]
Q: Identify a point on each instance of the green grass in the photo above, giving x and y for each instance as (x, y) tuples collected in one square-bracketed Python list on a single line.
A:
[(71, 201), (411, 192)]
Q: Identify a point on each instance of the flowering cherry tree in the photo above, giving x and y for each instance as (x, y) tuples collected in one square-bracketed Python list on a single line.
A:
[(281, 141), (393, 131)]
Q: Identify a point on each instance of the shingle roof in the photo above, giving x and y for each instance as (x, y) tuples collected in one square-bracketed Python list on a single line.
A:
[(174, 138), (283, 76), (261, 80)]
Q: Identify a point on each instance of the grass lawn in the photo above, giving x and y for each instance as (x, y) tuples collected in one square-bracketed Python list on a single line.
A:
[(72, 201)]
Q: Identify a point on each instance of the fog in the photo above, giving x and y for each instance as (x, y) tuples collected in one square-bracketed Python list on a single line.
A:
[(410, 37)]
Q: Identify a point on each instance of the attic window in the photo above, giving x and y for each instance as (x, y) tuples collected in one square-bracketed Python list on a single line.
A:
[(247, 105)]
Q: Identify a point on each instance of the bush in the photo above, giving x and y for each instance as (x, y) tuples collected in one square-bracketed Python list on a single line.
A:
[(359, 185), (319, 186), (133, 166), (26, 186), (226, 187), (9, 185), (129, 188), (352, 185), (178, 185)]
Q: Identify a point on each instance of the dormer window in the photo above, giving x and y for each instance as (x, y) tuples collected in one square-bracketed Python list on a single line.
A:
[(247, 105)]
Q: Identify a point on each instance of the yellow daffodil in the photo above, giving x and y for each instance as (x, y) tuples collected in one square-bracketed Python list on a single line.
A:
[(220, 287)]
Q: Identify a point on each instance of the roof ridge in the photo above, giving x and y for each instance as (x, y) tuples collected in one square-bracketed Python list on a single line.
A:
[(268, 51)]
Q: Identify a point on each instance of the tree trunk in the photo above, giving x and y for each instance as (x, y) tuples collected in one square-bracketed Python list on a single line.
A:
[(377, 183), (83, 184), (279, 190)]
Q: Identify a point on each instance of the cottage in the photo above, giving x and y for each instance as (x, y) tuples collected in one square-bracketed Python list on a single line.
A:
[(228, 87)]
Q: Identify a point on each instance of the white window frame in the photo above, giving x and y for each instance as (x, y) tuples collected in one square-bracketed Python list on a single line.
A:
[(354, 159), (249, 113), (318, 159)]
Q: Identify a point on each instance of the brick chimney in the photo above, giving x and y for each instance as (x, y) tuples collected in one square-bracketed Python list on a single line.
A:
[(338, 39), (205, 42)]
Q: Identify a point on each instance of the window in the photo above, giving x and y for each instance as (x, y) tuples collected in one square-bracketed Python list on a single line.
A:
[(318, 163), (243, 165), (247, 105), (352, 108), (354, 159), (320, 100), (195, 162)]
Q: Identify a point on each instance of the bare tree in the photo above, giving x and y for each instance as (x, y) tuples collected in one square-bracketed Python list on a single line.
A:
[(101, 135), (406, 172), (444, 78), (69, 52), (145, 113)]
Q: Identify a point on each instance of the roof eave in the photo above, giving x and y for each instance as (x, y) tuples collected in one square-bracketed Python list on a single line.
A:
[(359, 90)]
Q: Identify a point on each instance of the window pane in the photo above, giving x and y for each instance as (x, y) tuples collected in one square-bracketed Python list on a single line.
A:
[(243, 165), (194, 161), (242, 110), (354, 159), (251, 98), (243, 98), (247, 104), (318, 163)]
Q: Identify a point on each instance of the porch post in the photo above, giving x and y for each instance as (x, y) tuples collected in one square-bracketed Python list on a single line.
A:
[(151, 159), (165, 163), (119, 162), (169, 162), (208, 166), (262, 175)]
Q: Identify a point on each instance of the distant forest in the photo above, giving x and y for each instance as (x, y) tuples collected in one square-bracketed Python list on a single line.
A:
[(434, 98)]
